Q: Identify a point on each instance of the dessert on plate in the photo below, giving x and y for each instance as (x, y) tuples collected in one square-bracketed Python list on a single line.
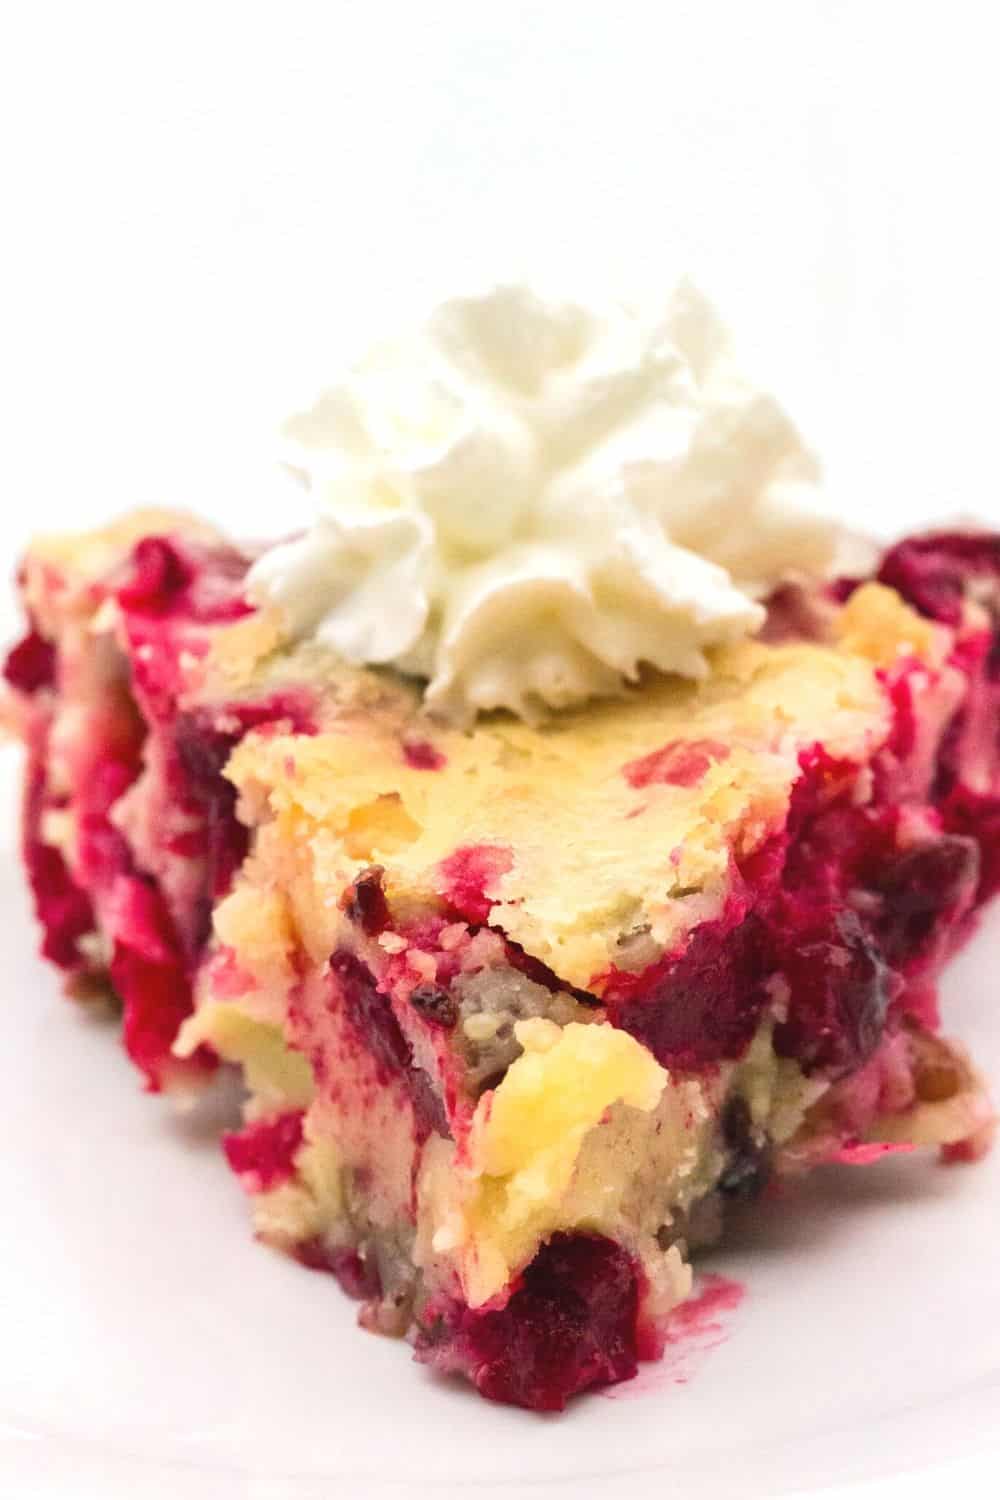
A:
[(563, 835)]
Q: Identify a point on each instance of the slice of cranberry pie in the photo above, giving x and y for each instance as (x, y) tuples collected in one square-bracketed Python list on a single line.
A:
[(520, 1010)]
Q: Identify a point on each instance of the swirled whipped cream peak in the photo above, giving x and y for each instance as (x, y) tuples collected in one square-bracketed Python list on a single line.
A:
[(529, 499)]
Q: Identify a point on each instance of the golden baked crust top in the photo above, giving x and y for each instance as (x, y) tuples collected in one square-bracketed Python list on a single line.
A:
[(618, 818)]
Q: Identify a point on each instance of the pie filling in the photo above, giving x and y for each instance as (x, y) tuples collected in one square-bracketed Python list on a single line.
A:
[(519, 1012)]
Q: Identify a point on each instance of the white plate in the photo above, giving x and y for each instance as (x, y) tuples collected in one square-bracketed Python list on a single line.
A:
[(190, 231), (151, 1349)]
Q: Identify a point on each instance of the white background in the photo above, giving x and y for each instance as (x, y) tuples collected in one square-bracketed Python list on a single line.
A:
[(203, 203)]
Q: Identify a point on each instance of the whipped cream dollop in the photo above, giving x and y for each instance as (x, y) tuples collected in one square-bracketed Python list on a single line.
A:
[(529, 498)]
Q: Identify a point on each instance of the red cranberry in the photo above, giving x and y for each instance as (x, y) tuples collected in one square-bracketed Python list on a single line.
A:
[(184, 580), (925, 892), (469, 875), (840, 992), (149, 973), (31, 664), (421, 755), (571, 1324), (841, 589), (356, 1272), (680, 763), (157, 575), (977, 817), (202, 750), (934, 572), (63, 909), (701, 1004), (266, 1149), (371, 1016)]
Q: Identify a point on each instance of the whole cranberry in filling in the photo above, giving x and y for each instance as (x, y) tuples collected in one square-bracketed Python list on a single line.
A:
[(157, 575), (201, 752), (829, 837), (839, 992), (150, 976), (570, 1324), (938, 574), (925, 893), (357, 1274), (64, 911), (102, 852), (31, 664), (264, 1151), (167, 576), (935, 573), (355, 1270), (978, 818), (841, 917), (700, 1005)]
